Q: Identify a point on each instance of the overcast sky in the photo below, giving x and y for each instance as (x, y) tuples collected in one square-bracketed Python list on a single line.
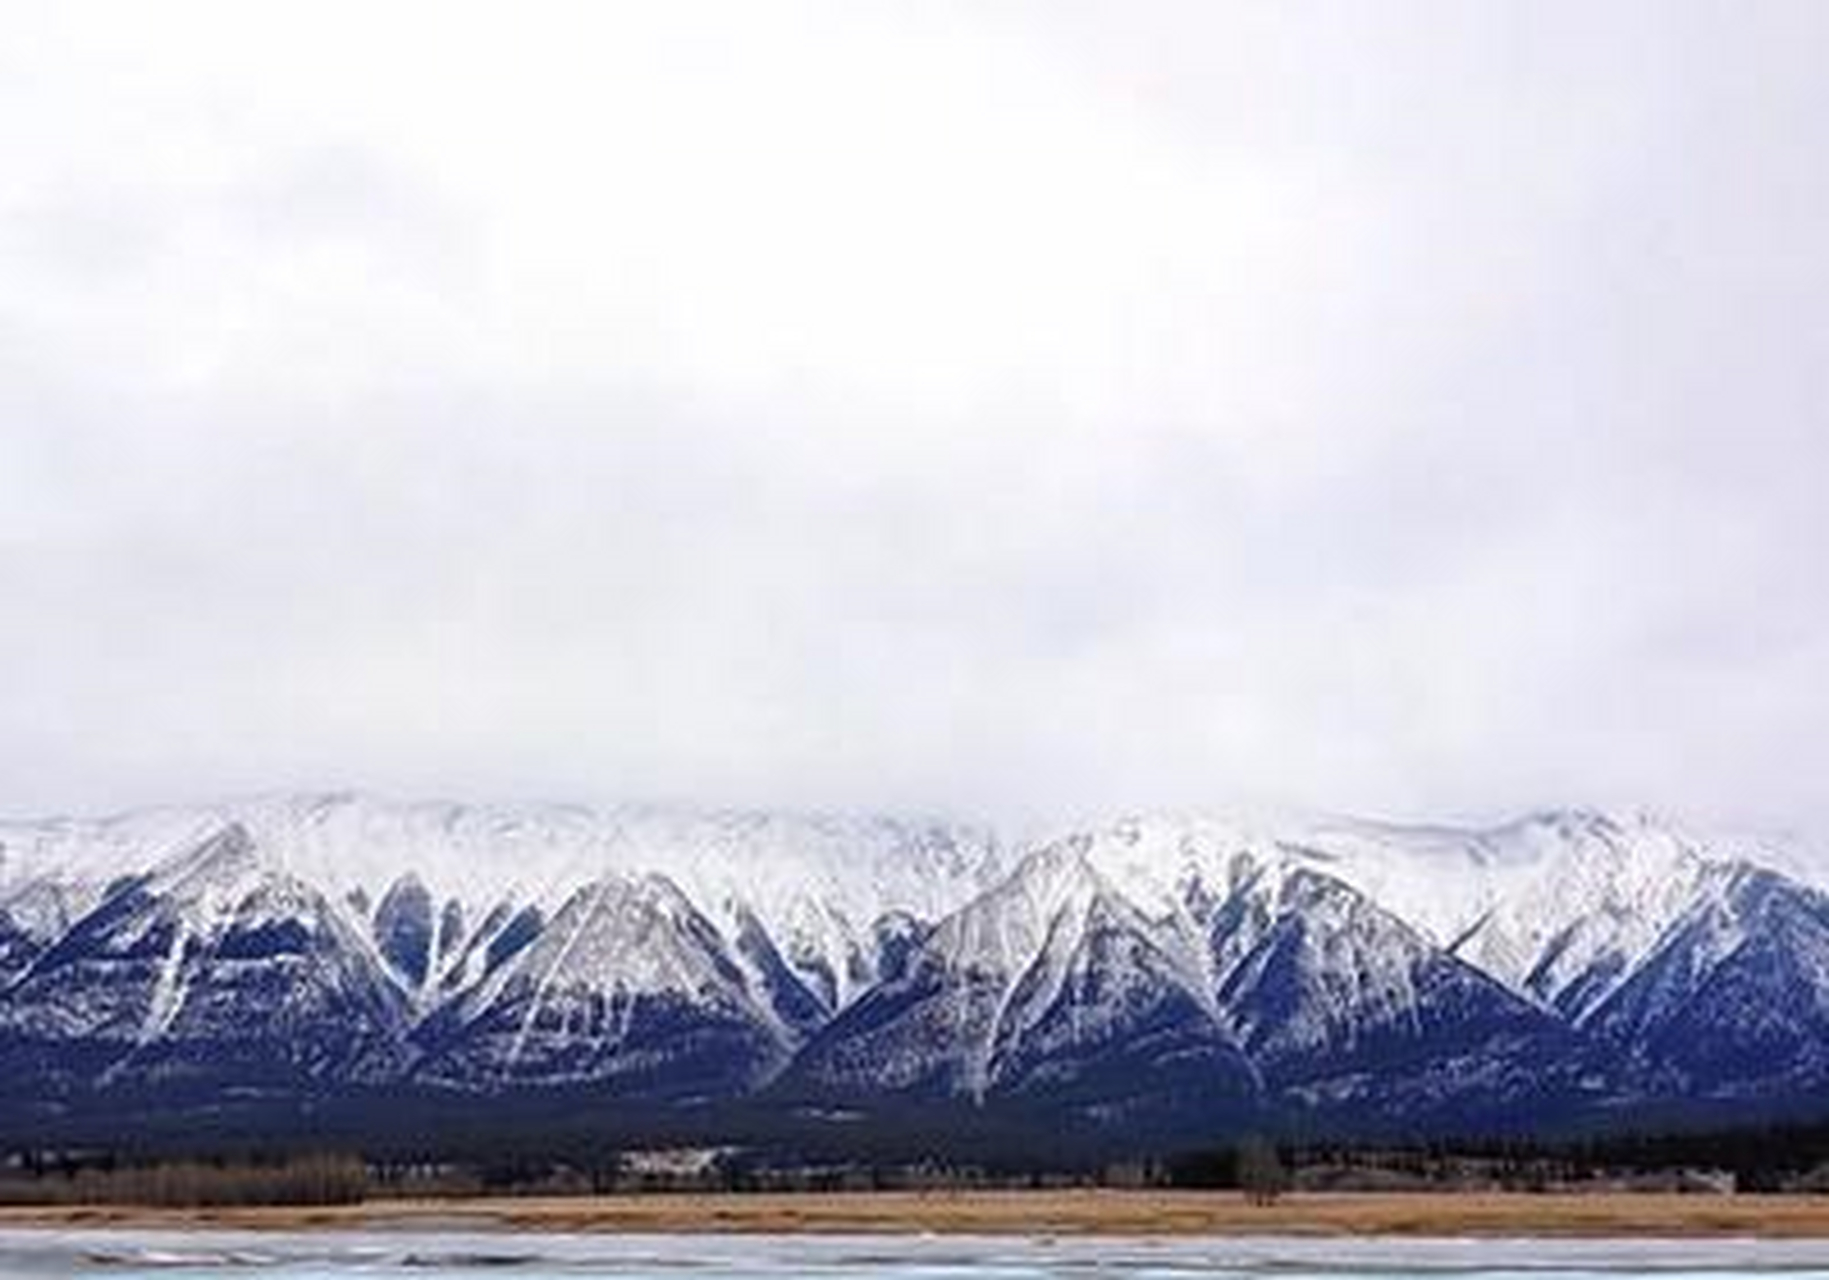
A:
[(1409, 409)]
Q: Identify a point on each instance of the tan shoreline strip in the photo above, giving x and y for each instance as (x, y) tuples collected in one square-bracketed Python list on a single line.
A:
[(1130, 1213)]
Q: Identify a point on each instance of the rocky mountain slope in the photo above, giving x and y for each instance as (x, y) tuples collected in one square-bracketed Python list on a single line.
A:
[(1343, 971)]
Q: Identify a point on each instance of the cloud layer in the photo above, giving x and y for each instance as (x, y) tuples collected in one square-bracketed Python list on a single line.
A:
[(1414, 409)]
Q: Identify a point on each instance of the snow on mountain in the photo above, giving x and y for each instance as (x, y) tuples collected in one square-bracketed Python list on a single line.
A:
[(692, 953), (818, 884), (1345, 1006), (214, 957), (1556, 906), (1049, 976), (1199, 941), (19, 946), (55, 871), (1559, 906), (932, 1029), (1114, 1010), (1735, 997), (628, 984), (1579, 901)]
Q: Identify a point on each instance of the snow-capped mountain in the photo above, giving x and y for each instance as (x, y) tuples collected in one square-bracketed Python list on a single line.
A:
[(1735, 996), (440, 881), (1157, 967), (1051, 976), (211, 964), (628, 985)]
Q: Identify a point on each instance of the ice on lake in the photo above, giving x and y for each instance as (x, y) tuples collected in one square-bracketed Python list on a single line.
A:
[(170, 1255)]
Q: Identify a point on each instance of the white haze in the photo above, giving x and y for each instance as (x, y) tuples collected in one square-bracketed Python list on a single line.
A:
[(1409, 408)]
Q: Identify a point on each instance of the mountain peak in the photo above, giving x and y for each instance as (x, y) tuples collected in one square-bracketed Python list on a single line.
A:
[(1119, 969)]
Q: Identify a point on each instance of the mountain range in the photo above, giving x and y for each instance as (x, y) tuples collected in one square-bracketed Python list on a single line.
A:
[(1150, 975)]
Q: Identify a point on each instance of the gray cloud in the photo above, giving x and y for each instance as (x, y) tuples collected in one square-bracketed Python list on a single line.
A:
[(1032, 408)]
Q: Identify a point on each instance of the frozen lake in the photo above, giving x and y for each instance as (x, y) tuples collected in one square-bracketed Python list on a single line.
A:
[(168, 1255)]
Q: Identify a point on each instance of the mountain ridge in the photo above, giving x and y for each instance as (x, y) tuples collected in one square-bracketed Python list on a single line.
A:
[(1351, 971)]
